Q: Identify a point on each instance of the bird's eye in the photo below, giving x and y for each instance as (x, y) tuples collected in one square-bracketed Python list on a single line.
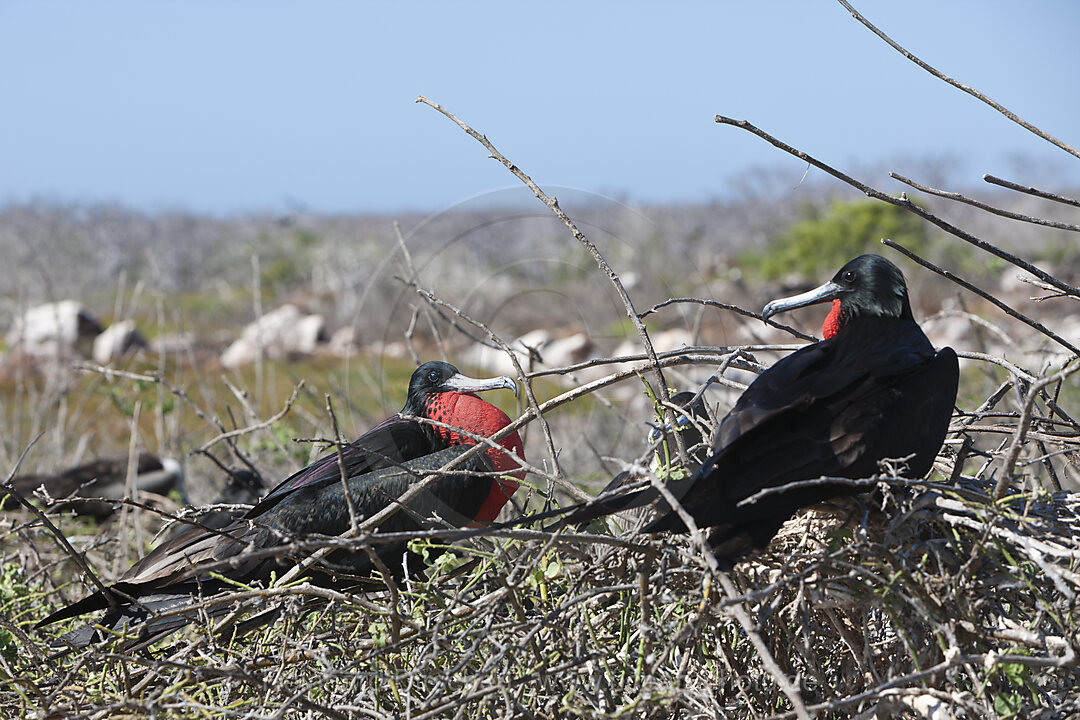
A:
[(433, 377), (848, 276)]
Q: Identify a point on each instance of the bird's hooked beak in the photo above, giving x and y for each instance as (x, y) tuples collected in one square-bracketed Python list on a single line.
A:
[(465, 384), (824, 293)]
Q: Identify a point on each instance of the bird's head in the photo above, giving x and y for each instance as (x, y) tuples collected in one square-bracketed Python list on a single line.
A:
[(436, 378), (439, 391), (868, 286)]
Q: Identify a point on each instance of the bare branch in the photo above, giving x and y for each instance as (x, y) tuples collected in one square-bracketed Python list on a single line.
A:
[(983, 206), (969, 90), (906, 204), (985, 296), (1031, 191), (613, 277)]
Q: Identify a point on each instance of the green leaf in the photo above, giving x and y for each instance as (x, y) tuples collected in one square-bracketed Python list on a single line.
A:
[(1007, 704)]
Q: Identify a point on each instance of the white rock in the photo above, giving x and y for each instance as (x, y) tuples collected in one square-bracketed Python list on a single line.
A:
[(279, 333), (534, 350), (663, 341), (392, 349), (172, 344), (302, 337), (952, 329), (117, 339), (52, 329), (342, 342), (568, 350)]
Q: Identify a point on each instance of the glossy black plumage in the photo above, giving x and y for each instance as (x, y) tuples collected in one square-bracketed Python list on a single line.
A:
[(874, 390), (176, 572), (380, 466)]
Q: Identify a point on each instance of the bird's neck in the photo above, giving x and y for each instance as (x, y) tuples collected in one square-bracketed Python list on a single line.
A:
[(840, 317), (468, 417)]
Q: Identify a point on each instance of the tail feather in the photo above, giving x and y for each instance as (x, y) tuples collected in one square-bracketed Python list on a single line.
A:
[(604, 506), (90, 603), (142, 623)]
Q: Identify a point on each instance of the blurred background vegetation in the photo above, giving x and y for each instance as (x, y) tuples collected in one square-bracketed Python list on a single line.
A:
[(191, 283)]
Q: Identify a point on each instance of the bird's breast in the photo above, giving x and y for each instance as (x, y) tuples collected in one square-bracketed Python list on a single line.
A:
[(468, 417)]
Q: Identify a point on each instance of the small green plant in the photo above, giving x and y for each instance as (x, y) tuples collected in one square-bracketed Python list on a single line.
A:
[(1010, 701), (124, 397), (826, 239), (15, 594)]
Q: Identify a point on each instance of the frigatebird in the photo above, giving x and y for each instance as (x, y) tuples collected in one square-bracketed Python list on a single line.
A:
[(873, 389), (96, 488), (441, 420)]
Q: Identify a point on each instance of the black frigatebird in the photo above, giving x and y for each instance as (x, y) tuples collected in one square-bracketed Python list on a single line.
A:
[(380, 465), (872, 389), (95, 488)]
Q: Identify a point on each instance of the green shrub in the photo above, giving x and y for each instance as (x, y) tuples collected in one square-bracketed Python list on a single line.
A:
[(826, 239)]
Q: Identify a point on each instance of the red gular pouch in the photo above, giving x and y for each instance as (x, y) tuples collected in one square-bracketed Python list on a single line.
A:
[(832, 321), (479, 417)]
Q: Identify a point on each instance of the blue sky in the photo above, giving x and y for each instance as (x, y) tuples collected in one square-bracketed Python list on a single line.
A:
[(234, 107)]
